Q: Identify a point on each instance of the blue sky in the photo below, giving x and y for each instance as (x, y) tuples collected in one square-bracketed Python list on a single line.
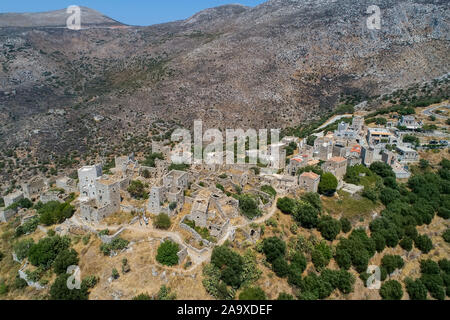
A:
[(134, 12)]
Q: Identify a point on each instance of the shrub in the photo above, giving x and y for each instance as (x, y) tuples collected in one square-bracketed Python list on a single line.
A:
[(328, 184), (329, 227), (392, 262), (22, 248), (429, 267), (434, 284), (44, 253), (60, 291), (406, 243), (444, 264), (54, 212), (446, 235), (416, 289), (423, 243), (285, 296), (269, 190), (345, 225), (280, 267), (162, 221), (230, 265), (115, 245), (306, 215), (19, 283), (321, 256), (252, 293), (249, 206), (313, 199), (64, 259), (142, 297), (286, 205), (274, 248), (391, 290), (90, 281), (137, 190), (167, 253), (165, 293)]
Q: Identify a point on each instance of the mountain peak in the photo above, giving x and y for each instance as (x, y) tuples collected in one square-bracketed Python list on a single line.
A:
[(56, 18)]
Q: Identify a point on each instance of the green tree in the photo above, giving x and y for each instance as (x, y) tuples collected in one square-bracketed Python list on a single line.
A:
[(329, 227), (346, 225), (392, 262), (230, 264), (162, 221), (306, 215), (328, 184), (249, 206), (423, 243), (252, 293), (286, 205), (64, 259), (391, 290), (60, 291), (274, 248), (416, 289), (137, 190), (167, 253)]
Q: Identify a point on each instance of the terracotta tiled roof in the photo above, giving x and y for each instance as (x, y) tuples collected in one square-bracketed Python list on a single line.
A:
[(338, 159), (310, 175)]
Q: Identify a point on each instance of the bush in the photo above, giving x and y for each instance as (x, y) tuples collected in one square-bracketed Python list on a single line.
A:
[(406, 243), (434, 284), (142, 297), (321, 256), (162, 221), (329, 227), (444, 264), (391, 290), (64, 259), (269, 190), (280, 267), (423, 243), (90, 281), (313, 199), (249, 206), (370, 194), (306, 215), (392, 262), (167, 253), (416, 289), (60, 291), (115, 245), (382, 169), (165, 294), (328, 184), (54, 212), (252, 293), (137, 190), (19, 283), (230, 265), (274, 248), (285, 296), (345, 225), (44, 253), (429, 267), (286, 205), (22, 248), (446, 235)]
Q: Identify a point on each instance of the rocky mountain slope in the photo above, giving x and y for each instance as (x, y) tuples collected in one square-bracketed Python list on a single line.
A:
[(274, 65)]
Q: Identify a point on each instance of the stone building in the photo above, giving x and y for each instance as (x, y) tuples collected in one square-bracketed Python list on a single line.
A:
[(171, 191), (309, 181), (337, 166), (105, 202), (13, 198), (407, 154), (87, 176), (66, 183), (33, 187)]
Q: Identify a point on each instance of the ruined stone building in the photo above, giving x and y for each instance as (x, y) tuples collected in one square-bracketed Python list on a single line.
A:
[(86, 180), (171, 191), (13, 198), (33, 187), (99, 195), (337, 166), (104, 203)]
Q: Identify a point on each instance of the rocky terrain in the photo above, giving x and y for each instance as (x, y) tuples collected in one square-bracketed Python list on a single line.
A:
[(274, 65)]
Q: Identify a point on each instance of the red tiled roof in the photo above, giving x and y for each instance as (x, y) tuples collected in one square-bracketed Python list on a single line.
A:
[(310, 175), (338, 159)]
